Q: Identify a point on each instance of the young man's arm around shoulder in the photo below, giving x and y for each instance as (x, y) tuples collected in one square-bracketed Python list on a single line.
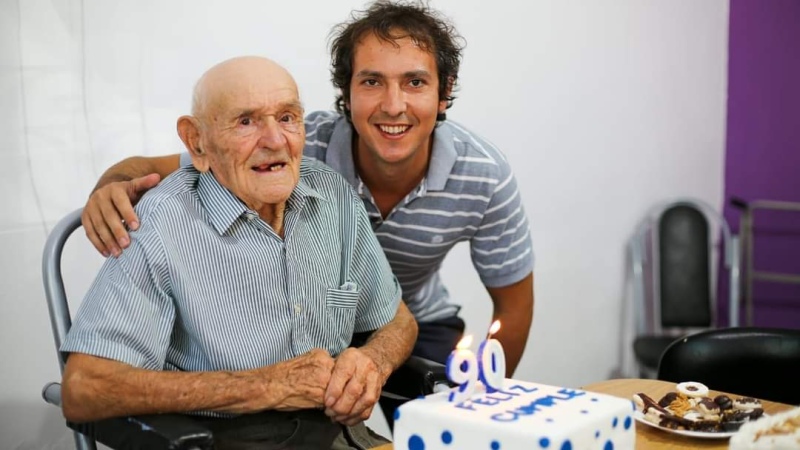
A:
[(112, 200)]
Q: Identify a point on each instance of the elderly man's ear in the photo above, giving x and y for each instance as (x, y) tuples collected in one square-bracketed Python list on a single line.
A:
[(189, 132)]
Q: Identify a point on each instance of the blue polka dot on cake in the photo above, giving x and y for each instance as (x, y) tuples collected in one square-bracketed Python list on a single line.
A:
[(447, 437)]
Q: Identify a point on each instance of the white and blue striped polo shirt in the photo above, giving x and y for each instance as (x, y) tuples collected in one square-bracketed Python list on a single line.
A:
[(468, 194), (207, 285)]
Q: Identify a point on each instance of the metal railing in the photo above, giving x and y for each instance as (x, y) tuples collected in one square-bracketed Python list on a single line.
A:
[(746, 227)]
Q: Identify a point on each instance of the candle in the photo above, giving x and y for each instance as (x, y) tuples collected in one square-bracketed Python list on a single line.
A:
[(492, 361), (462, 369)]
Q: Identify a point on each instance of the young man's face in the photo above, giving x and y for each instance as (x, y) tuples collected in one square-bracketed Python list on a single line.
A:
[(394, 99)]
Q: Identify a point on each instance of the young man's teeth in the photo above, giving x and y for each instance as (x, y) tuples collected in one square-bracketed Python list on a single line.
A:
[(396, 129)]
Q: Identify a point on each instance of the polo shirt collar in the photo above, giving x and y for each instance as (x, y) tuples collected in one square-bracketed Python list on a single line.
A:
[(340, 151), (224, 208), (443, 157)]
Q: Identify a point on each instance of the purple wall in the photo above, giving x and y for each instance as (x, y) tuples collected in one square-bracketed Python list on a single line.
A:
[(762, 160)]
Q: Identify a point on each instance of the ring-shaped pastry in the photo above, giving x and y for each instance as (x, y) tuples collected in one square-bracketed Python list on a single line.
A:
[(692, 389)]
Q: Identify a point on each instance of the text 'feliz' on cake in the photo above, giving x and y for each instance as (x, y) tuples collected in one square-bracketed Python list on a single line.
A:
[(521, 415)]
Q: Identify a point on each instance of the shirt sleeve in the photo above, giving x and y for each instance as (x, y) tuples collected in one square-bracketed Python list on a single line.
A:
[(380, 291), (501, 249), (127, 315)]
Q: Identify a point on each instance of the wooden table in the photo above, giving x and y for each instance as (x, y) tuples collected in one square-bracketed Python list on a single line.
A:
[(649, 438)]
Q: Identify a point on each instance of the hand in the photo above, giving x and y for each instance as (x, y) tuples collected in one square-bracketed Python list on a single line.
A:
[(302, 380), (106, 209), (354, 388)]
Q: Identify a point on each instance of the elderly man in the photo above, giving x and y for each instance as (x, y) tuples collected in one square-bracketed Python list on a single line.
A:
[(239, 294)]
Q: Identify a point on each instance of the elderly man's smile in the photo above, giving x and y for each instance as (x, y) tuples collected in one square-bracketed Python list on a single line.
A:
[(270, 167)]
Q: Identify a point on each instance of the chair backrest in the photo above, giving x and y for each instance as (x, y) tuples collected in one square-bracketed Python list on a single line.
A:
[(672, 256), (684, 270), (758, 362), (57, 305), (60, 318)]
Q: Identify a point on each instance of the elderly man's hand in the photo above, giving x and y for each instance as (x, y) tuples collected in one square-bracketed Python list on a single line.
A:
[(354, 388), (106, 209), (302, 380)]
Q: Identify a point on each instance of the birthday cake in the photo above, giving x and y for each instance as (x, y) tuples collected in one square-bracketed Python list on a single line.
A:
[(520, 415)]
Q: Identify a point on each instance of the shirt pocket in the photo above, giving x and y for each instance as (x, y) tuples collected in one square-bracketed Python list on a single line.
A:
[(341, 303)]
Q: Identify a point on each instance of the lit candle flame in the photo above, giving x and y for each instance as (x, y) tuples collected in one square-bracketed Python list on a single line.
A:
[(494, 328), (465, 342)]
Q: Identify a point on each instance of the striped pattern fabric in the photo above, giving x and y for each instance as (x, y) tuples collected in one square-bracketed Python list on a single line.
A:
[(207, 285), (469, 194)]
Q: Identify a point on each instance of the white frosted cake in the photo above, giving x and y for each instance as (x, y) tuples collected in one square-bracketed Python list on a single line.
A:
[(778, 432), (520, 416)]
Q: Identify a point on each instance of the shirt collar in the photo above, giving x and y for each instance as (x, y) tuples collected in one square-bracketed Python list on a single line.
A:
[(224, 208), (443, 156), (340, 151)]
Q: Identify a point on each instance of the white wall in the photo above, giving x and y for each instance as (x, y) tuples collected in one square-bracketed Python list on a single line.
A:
[(604, 108)]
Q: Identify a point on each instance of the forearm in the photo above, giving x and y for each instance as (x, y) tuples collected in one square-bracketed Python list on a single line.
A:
[(139, 166), (390, 346), (97, 388), (513, 306)]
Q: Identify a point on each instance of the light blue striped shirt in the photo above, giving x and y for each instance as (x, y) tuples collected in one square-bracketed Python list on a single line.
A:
[(207, 285)]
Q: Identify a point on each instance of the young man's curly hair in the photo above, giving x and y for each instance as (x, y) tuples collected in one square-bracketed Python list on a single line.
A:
[(391, 21)]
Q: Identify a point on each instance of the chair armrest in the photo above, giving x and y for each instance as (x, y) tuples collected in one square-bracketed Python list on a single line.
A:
[(158, 431), (416, 377)]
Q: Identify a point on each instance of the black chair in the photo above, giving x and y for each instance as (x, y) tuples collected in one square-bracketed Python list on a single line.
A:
[(170, 431), (673, 256), (758, 362)]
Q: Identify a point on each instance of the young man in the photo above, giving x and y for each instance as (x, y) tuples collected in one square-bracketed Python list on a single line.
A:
[(254, 337), (427, 183)]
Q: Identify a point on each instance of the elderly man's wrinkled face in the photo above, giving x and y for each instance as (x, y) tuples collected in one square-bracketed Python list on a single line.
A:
[(251, 132)]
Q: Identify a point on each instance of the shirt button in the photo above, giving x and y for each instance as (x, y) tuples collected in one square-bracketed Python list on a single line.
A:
[(298, 309)]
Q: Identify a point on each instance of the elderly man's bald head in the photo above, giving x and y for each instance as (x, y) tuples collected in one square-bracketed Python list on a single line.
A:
[(234, 73), (246, 128)]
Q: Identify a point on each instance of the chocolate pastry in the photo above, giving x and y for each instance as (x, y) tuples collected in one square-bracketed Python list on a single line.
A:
[(667, 399), (736, 416), (756, 413), (732, 425), (746, 403), (669, 422), (705, 425), (647, 403), (724, 402), (708, 407)]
